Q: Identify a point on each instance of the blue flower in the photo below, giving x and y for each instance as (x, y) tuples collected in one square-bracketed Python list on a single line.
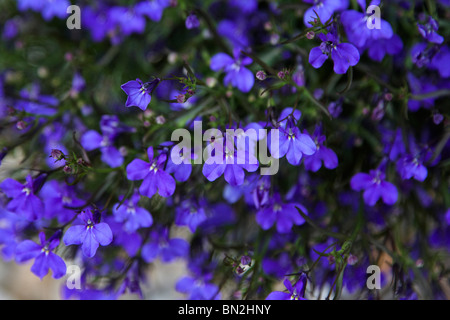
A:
[(167, 249), (291, 142), (324, 9), (229, 161), (236, 74), (285, 215), (139, 93), (24, 202), (375, 187), (90, 234), (93, 140), (190, 213), (153, 9), (155, 179), (44, 257), (192, 21), (355, 26), (295, 292), (344, 55), (428, 31), (323, 154), (133, 216)]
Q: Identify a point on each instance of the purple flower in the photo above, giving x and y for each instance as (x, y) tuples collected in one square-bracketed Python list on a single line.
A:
[(129, 19), (45, 259), (421, 85), (48, 8), (375, 187), (324, 9), (323, 154), (10, 29), (236, 74), (226, 159), (139, 94), (36, 103), (133, 216), (358, 33), (190, 213), (56, 197), (192, 21), (285, 215), (93, 140), (167, 249), (53, 8), (441, 61), (380, 47), (89, 235), (198, 290), (344, 55), (181, 171), (295, 292), (24, 202), (291, 142), (155, 179), (428, 31), (152, 8)]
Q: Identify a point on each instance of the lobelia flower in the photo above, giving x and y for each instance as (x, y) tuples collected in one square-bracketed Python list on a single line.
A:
[(197, 289), (48, 8), (56, 197), (324, 9), (153, 9), (295, 292), (226, 159), (428, 31), (190, 213), (411, 164), (291, 142), (45, 259), (167, 249), (375, 187), (181, 171), (92, 140), (36, 103), (133, 216), (421, 85), (90, 234), (236, 74), (192, 21), (380, 47), (344, 55), (24, 202), (355, 26), (97, 21), (323, 154), (285, 215), (129, 19), (155, 179), (440, 61), (139, 93)]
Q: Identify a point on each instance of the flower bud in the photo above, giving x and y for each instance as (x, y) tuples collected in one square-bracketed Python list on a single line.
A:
[(160, 120), (57, 154), (180, 98), (310, 35), (261, 75)]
